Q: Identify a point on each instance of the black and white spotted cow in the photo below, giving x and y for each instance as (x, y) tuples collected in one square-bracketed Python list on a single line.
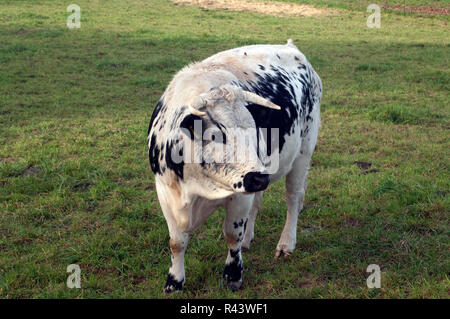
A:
[(260, 103)]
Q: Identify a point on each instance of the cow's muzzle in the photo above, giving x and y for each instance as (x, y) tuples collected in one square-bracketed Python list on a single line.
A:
[(255, 182)]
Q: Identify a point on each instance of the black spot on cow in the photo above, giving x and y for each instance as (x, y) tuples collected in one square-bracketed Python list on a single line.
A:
[(234, 253), (239, 184), (172, 284), (175, 164), (159, 106), (304, 132), (277, 86), (306, 100), (154, 149), (233, 270), (262, 67), (153, 155)]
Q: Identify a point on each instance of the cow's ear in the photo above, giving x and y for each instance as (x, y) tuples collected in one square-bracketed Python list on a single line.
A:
[(193, 125)]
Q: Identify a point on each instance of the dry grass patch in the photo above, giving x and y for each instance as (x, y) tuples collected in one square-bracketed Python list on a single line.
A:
[(269, 8)]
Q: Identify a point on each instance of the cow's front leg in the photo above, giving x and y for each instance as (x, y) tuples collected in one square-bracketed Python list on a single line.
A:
[(178, 242), (250, 229), (238, 207), (177, 277)]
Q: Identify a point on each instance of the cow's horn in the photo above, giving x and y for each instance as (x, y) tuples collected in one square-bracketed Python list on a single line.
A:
[(256, 99), (196, 112), (198, 103)]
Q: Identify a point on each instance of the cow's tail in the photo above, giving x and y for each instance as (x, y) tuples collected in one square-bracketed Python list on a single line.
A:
[(290, 43)]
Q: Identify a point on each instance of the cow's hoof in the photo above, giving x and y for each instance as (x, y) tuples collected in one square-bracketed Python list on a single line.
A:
[(171, 289), (173, 285), (282, 253), (246, 244), (234, 282), (235, 286)]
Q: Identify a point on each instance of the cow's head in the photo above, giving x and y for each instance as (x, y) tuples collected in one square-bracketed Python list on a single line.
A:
[(221, 149)]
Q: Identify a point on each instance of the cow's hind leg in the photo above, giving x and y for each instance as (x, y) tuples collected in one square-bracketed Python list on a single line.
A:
[(295, 193), (250, 229), (238, 207)]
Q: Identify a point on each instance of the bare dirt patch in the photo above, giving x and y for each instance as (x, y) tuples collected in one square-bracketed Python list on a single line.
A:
[(31, 171), (308, 230), (430, 9), (23, 31), (365, 167), (270, 8), (6, 159)]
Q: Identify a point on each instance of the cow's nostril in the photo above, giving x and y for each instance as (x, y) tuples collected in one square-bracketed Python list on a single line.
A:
[(255, 181)]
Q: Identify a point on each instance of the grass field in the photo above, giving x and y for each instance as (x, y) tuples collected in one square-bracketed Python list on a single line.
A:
[(75, 182)]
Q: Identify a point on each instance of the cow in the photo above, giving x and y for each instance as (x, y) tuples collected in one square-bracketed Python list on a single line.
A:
[(261, 102)]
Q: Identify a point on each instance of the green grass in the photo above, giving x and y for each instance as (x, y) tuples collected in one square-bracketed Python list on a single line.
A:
[(76, 187)]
